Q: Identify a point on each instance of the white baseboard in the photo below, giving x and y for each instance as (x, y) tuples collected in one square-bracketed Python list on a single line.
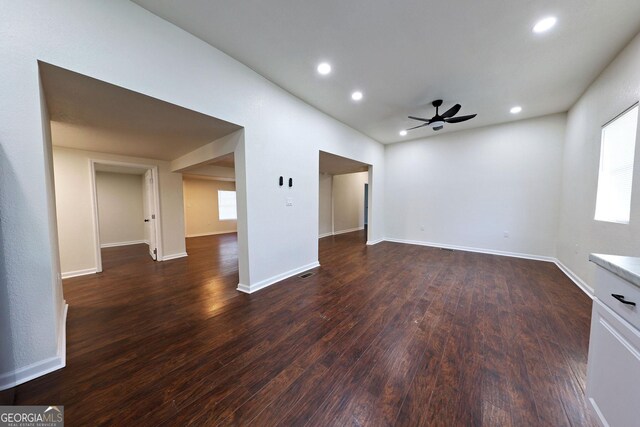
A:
[(472, 249), (350, 230), (598, 412), (174, 256), (325, 235), (570, 274), (244, 288), (62, 335), (374, 242), (84, 272), (211, 234), (27, 373), (30, 372), (132, 242), (275, 279), (576, 279)]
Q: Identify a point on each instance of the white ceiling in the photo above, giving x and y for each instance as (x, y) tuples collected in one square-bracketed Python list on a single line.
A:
[(404, 54), (90, 114), (338, 165)]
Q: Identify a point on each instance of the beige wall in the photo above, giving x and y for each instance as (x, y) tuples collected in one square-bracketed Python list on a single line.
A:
[(120, 208), (72, 173), (201, 207), (341, 204)]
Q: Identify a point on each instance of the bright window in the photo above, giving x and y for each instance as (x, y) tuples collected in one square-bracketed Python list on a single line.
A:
[(227, 205), (613, 200)]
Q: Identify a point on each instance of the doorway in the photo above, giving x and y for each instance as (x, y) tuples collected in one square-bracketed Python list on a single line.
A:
[(343, 194), (91, 122), (366, 205), (126, 211)]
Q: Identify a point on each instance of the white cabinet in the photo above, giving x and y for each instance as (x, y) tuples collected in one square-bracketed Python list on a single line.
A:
[(613, 375)]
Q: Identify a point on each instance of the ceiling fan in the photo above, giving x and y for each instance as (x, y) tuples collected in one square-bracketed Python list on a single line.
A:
[(437, 122)]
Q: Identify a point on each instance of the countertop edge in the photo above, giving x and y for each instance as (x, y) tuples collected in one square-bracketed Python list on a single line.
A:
[(627, 268)]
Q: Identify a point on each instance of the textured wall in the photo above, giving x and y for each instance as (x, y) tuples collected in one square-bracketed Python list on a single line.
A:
[(615, 90)]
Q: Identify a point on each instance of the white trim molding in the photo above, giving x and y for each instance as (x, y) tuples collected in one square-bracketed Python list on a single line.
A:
[(249, 289), (30, 372), (576, 279), (472, 249), (35, 370), (243, 288), (588, 290), (86, 271), (211, 234), (350, 230), (174, 256), (157, 223), (132, 242), (323, 235), (62, 335), (374, 242)]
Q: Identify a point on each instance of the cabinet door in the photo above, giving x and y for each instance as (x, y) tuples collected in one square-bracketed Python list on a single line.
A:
[(613, 378)]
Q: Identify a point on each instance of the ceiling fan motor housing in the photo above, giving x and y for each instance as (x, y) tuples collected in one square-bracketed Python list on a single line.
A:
[(437, 122)]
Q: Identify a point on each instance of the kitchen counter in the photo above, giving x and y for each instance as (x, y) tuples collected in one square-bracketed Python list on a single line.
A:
[(625, 267)]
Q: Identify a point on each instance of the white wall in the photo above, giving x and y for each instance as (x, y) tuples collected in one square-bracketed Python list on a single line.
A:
[(74, 204), (325, 206), (79, 35), (615, 90), (348, 201), (201, 207), (120, 208), (467, 188)]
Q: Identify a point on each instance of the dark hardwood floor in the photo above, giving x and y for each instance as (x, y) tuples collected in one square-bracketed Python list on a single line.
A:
[(389, 334)]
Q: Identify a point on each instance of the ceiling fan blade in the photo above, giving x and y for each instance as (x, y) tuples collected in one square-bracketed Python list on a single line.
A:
[(438, 127), (421, 119), (419, 126), (460, 119), (451, 111)]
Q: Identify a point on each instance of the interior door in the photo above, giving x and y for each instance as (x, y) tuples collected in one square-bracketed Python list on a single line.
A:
[(150, 214)]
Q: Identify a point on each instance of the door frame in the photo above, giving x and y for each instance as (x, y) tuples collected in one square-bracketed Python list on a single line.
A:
[(94, 203), (370, 211)]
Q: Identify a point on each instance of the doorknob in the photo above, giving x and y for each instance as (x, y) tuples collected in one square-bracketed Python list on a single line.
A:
[(146, 220)]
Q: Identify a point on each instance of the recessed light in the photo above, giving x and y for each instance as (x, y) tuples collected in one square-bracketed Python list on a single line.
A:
[(516, 109), (356, 96), (324, 68), (545, 24), (403, 133)]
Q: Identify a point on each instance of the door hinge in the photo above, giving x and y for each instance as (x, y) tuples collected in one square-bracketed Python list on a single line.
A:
[(153, 216)]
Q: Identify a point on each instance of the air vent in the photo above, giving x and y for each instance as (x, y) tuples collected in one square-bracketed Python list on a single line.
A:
[(305, 275), (446, 249)]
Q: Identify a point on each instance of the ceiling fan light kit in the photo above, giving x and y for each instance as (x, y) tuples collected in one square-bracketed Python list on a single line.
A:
[(438, 121)]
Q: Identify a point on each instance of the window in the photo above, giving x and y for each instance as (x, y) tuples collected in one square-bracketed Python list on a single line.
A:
[(613, 200), (227, 205)]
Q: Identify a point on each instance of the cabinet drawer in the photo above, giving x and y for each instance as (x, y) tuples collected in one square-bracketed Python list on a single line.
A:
[(613, 378), (607, 284)]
